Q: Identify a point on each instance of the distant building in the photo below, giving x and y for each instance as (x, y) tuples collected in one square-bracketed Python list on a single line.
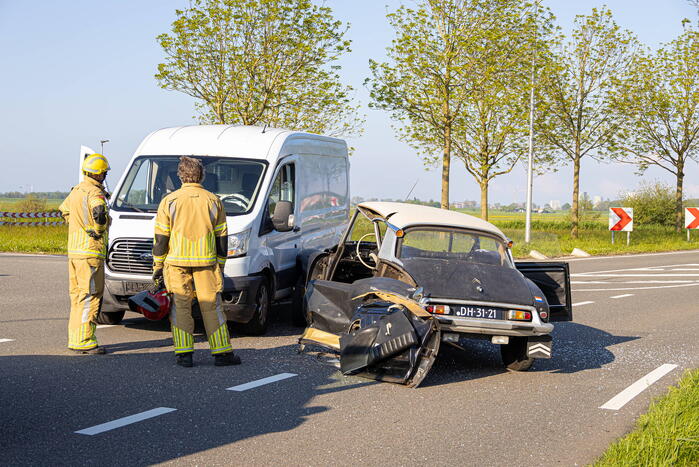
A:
[(555, 204), (463, 205), (596, 200)]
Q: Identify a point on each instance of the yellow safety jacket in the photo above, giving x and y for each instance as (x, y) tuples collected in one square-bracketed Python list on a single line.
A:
[(190, 229), (87, 214)]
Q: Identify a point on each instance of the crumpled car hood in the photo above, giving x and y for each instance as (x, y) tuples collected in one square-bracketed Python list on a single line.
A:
[(379, 331)]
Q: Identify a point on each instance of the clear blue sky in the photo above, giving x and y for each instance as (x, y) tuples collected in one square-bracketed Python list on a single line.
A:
[(78, 71)]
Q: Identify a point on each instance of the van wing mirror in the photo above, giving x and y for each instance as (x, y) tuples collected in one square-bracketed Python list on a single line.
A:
[(283, 219)]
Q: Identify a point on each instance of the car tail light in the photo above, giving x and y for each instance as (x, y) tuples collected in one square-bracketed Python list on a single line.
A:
[(543, 314), (438, 309), (519, 315)]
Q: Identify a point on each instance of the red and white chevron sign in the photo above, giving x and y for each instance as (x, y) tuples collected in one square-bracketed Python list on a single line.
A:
[(691, 218), (31, 224), (621, 219), (29, 215)]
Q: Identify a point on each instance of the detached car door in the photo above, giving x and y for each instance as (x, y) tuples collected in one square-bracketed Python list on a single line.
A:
[(554, 281)]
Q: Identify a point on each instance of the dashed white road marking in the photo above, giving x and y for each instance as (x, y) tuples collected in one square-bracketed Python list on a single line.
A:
[(97, 429), (583, 303), (6, 340), (620, 400), (102, 326), (623, 295), (261, 382)]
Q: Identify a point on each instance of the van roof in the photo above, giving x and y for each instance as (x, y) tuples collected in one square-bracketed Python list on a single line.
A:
[(404, 215), (251, 142)]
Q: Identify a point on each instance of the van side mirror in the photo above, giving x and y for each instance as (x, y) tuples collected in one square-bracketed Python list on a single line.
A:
[(283, 219)]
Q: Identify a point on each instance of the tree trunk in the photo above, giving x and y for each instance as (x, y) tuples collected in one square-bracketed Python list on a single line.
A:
[(446, 162), (678, 197), (574, 210), (484, 200)]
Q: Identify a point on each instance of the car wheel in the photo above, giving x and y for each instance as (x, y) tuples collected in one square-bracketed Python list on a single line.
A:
[(514, 354), (298, 307), (112, 317), (258, 324)]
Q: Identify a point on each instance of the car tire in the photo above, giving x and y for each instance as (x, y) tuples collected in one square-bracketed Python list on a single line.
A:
[(514, 355), (112, 317), (257, 325), (298, 307)]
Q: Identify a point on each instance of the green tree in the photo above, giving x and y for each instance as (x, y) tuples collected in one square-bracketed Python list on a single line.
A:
[(261, 62), (491, 134), (660, 103), (578, 119), (422, 84)]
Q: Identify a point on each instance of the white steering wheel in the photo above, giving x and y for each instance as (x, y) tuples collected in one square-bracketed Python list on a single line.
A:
[(359, 255)]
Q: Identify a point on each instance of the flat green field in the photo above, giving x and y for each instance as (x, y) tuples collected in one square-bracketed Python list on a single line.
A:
[(550, 235), (10, 204)]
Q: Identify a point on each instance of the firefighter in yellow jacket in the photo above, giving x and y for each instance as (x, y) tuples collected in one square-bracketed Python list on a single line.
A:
[(189, 251), (86, 212)]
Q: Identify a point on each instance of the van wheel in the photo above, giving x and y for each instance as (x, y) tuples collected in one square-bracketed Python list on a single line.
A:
[(258, 324), (298, 307), (514, 355), (112, 317)]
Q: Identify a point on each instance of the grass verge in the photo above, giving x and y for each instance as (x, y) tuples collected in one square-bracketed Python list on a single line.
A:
[(47, 239), (668, 434)]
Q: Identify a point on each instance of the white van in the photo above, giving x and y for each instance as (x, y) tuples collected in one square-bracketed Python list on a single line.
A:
[(286, 194)]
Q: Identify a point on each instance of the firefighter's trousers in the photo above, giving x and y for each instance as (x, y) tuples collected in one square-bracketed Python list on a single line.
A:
[(207, 282), (86, 281)]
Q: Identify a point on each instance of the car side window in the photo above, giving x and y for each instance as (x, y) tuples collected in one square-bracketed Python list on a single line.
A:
[(283, 188)]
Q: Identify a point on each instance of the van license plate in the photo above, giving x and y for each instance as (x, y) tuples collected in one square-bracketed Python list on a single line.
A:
[(482, 312), (135, 287)]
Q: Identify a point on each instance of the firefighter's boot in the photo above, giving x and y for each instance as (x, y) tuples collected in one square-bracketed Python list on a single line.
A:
[(226, 359), (185, 360)]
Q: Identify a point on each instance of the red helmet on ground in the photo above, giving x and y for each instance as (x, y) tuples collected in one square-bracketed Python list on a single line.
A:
[(153, 305)]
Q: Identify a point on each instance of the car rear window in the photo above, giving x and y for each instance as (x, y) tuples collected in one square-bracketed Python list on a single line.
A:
[(452, 244)]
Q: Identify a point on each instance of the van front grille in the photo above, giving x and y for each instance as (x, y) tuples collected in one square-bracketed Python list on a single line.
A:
[(131, 255)]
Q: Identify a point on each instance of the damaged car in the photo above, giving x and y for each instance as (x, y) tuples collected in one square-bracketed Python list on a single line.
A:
[(406, 277)]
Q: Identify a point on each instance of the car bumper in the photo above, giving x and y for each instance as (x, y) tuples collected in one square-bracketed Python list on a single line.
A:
[(493, 328), (238, 295)]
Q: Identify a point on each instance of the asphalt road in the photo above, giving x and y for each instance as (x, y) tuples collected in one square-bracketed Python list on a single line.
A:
[(633, 315)]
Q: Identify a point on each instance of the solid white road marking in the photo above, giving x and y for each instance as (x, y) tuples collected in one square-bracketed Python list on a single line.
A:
[(6, 340), (683, 252), (632, 275), (261, 382), (97, 429), (623, 295), (614, 289), (620, 400), (635, 282), (102, 326), (583, 303)]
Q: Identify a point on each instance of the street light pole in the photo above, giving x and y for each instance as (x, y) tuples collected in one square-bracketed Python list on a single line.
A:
[(102, 141), (530, 161)]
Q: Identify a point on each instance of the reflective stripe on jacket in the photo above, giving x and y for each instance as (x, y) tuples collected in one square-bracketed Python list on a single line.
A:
[(190, 228), (87, 214)]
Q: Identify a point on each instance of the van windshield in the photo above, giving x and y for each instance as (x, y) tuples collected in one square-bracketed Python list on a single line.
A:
[(150, 178)]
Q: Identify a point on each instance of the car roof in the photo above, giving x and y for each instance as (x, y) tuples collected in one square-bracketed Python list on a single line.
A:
[(405, 215), (251, 142)]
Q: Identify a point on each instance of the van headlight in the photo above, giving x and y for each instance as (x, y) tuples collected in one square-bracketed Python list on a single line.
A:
[(238, 244)]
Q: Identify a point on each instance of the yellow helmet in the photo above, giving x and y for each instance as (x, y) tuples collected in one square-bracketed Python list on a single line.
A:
[(95, 164)]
